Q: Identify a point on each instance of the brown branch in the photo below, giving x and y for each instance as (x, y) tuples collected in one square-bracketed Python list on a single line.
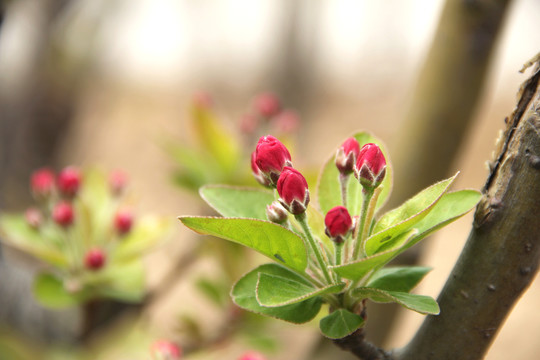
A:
[(357, 344), (501, 256)]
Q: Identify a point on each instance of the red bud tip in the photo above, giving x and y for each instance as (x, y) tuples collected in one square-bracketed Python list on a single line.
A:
[(94, 259), (252, 355), (123, 221), (117, 181), (276, 213), (166, 350), (371, 166), (69, 181), (271, 156), (63, 214), (257, 173), (346, 156), (287, 121), (267, 104), (33, 217), (338, 224), (293, 190), (42, 182)]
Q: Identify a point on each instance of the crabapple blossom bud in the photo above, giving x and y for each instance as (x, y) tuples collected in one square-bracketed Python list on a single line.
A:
[(271, 156), (257, 173), (252, 355), (166, 350), (62, 214), (117, 181), (94, 259), (338, 224), (293, 191), (267, 104), (371, 166), (276, 213), (33, 217), (42, 182), (346, 156), (123, 221), (69, 181), (287, 121)]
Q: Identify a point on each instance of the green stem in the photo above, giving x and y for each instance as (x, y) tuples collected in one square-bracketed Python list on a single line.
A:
[(343, 181), (302, 220), (368, 194), (338, 258)]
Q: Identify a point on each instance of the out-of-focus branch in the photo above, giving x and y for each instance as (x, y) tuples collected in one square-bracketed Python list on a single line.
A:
[(502, 254)]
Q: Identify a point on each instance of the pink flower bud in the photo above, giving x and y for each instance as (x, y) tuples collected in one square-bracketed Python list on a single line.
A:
[(166, 350), (252, 355), (346, 156), (293, 190), (33, 217), (62, 214), (42, 182), (276, 213), (94, 259), (271, 156), (371, 166), (117, 181), (257, 173), (338, 224), (267, 104), (123, 221), (69, 181), (287, 121)]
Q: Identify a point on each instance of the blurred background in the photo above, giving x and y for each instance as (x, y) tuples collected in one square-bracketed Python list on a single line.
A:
[(107, 82)]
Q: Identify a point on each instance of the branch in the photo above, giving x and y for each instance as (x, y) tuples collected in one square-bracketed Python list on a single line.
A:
[(501, 256)]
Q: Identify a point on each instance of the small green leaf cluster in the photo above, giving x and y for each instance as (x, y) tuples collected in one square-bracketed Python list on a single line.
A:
[(70, 277), (295, 286)]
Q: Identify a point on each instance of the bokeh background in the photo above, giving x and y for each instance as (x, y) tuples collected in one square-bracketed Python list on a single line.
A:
[(104, 82)]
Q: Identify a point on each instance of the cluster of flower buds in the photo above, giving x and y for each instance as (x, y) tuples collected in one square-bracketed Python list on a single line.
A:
[(57, 199), (267, 108), (166, 350), (271, 165)]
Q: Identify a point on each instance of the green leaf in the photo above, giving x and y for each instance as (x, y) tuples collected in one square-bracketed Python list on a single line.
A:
[(329, 188), (357, 270), (450, 207), (402, 279), (274, 290), (419, 303), (406, 216), (340, 323), (244, 295), (50, 292), (17, 233), (270, 239), (237, 201), (214, 290), (125, 282)]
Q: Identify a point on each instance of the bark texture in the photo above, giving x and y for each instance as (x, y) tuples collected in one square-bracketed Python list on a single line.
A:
[(502, 253)]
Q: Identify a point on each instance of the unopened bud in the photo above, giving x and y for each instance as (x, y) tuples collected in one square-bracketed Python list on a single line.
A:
[(123, 221), (371, 166), (293, 190), (257, 173), (42, 183), (166, 350), (276, 213), (33, 217), (271, 156), (338, 224), (117, 181), (252, 355), (69, 181), (267, 104), (94, 259), (346, 156), (62, 214), (287, 121)]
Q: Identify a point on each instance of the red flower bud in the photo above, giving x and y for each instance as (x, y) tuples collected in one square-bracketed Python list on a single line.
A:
[(33, 217), (346, 156), (271, 156), (63, 214), (371, 166), (166, 350), (287, 121), (123, 221), (257, 173), (276, 213), (252, 355), (293, 190), (117, 181), (338, 224), (267, 104), (94, 259), (69, 181), (42, 182)]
